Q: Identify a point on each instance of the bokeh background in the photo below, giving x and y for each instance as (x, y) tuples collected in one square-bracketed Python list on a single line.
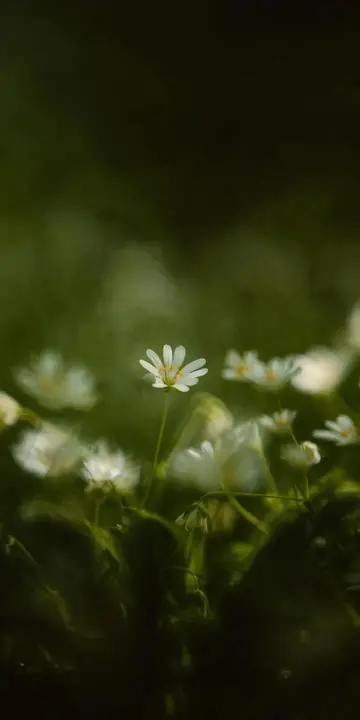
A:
[(186, 173), (174, 173)]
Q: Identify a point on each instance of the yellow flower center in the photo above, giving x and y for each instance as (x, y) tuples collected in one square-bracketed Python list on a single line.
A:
[(270, 374), (241, 370)]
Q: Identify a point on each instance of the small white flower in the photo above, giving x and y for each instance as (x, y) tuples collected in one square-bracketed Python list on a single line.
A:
[(55, 386), (9, 410), (171, 372), (321, 370), (301, 456), (103, 467), (280, 422), (51, 451), (274, 374), (342, 431), (239, 366)]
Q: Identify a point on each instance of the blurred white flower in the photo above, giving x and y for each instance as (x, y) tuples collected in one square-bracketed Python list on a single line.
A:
[(218, 419), (9, 410), (280, 422), (51, 451), (102, 467), (301, 456), (248, 433), (171, 372), (55, 386), (200, 465), (234, 457), (239, 366), (274, 374), (342, 431), (322, 370)]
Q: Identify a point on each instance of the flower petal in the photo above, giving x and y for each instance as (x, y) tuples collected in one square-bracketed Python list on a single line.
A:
[(196, 373), (190, 381), (153, 356), (194, 365), (182, 388), (233, 358), (179, 355), (168, 355), (151, 369)]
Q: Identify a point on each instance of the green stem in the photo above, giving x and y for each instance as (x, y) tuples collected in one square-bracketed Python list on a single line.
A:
[(162, 428), (307, 491), (221, 493), (245, 513)]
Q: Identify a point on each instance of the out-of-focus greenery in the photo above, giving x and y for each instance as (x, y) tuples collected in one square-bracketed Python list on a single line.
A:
[(172, 181)]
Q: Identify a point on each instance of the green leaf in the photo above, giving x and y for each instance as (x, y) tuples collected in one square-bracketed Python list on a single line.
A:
[(104, 539)]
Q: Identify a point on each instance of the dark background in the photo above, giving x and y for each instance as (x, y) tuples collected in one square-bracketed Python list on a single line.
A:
[(186, 173)]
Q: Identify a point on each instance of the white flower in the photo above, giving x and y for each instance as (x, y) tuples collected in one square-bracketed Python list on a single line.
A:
[(218, 419), (280, 422), (200, 465), (249, 434), (55, 386), (104, 467), (341, 432), (321, 370), (9, 410), (301, 456), (274, 374), (239, 366), (234, 457), (49, 451), (171, 372)]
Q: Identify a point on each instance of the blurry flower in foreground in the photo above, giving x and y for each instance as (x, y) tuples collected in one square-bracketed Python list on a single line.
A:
[(103, 467), (279, 422), (342, 431), (218, 419), (9, 410), (171, 372), (49, 451), (200, 465), (239, 366), (321, 370), (274, 374), (249, 434), (232, 458), (55, 386), (301, 456)]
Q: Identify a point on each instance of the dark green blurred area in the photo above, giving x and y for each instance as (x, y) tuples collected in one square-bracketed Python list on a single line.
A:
[(186, 174)]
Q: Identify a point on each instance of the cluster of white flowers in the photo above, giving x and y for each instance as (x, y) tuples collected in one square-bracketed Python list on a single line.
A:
[(229, 452), (52, 451), (273, 375)]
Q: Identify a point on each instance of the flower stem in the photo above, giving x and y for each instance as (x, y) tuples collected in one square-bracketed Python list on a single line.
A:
[(245, 513), (221, 493), (162, 428)]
